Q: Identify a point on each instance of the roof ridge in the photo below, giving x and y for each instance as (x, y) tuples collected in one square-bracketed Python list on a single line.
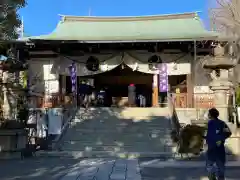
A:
[(129, 18)]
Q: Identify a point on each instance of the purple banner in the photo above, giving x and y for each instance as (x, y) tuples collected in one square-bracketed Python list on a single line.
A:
[(163, 77), (73, 74)]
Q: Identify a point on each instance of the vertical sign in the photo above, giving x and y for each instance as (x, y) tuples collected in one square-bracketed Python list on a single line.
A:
[(163, 77), (73, 74)]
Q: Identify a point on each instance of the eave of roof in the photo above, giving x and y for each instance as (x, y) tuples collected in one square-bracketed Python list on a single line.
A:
[(175, 27)]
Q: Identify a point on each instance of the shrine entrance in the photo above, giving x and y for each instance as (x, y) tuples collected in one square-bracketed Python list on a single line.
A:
[(117, 81)]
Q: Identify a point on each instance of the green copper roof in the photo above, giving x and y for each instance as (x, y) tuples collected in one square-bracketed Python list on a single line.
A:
[(176, 27)]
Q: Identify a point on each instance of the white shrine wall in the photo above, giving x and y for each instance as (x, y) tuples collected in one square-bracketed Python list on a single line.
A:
[(40, 76)]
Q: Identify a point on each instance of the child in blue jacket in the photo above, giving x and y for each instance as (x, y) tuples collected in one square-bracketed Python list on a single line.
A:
[(217, 133)]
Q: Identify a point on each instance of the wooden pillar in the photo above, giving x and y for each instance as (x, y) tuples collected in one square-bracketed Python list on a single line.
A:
[(63, 84), (62, 87), (155, 91), (190, 94)]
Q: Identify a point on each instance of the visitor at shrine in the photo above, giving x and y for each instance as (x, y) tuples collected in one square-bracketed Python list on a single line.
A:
[(217, 133), (142, 100), (108, 98), (85, 92), (82, 92), (101, 97), (141, 96), (88, 96), (131, 95)]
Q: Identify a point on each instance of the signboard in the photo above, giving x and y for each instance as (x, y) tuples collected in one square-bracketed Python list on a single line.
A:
[(73, 74), (163, 77), (51, 86)]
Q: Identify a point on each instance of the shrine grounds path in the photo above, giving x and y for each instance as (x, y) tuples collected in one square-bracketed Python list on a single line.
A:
[(66, 168)]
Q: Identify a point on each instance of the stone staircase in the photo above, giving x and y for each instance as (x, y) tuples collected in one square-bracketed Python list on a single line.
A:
[(119, 131)]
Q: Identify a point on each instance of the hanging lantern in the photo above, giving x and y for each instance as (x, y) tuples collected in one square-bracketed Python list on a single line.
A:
[(153, 62), (92, 63)]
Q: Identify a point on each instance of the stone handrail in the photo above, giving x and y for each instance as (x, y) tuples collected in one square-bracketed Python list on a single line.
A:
[(173, 115), (68, 115)]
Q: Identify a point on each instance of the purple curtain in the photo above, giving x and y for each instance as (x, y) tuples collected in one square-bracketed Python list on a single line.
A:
[(73, 74), (163, 77)]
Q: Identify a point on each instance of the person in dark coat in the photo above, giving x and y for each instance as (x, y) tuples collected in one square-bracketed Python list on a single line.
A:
[(217, 133)]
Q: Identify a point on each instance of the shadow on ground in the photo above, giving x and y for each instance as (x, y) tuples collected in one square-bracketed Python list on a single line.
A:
[(50, 168)]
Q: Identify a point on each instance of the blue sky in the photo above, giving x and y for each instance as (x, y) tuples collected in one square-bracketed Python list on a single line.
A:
[(41, 16)]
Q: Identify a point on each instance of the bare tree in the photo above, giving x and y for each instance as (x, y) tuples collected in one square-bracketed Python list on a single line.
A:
[(225, 16)]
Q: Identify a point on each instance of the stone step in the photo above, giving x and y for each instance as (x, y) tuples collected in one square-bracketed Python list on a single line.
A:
[(129, 137), (117, 143), (127, 129), (119, 124), (113, 118), (104, 154), (115, 130), (119, 149), (118, 130), (107, 144)]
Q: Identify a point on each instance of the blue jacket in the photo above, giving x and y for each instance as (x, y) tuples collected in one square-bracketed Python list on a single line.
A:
[(217, 131)]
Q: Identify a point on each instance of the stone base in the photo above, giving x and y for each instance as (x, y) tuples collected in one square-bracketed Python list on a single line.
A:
[(233, 144), (10, 155), (12, 141)]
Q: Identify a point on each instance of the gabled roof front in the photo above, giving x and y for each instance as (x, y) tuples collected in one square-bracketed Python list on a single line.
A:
[(177, 27)]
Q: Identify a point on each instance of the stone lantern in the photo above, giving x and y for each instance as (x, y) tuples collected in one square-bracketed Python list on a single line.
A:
[(220, 64)]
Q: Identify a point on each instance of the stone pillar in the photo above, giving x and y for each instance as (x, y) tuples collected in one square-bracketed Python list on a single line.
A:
[(155, 91), (6, 103), (221, 101), (220, 84)]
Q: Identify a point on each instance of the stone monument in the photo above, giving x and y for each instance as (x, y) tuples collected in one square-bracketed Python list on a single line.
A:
[(221, 86), (13, 133), (220, 64)]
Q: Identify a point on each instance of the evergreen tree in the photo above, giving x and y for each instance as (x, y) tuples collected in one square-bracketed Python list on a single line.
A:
[(9, 18)]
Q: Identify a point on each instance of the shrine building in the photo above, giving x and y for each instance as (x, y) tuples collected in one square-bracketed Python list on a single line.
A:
[(158, 54)]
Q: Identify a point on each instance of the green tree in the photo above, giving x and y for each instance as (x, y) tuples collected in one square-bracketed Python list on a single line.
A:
[(9, 18)]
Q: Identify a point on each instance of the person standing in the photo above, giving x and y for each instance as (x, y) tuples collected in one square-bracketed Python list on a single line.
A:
[(131, 95), (217, 133)]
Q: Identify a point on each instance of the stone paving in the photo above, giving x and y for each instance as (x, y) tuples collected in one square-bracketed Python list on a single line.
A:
[(119, 169), (66, 168), (38, 168), (158, 169), (62, 168), (169, 173)]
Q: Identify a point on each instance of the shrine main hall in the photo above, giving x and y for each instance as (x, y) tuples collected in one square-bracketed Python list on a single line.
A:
[(158, 55)]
